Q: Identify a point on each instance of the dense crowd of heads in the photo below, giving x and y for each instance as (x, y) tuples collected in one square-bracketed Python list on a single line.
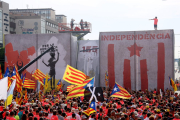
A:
[(143, 105)]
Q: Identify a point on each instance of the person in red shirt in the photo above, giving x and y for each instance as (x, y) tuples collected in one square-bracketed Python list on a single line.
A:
[(155, 22), (11, 116), (54, 117), (73, 116), (37, 114)]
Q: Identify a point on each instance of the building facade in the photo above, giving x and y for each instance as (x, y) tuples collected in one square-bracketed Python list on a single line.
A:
[(61, 19), (32, 25), (48, 13), (4, 20)]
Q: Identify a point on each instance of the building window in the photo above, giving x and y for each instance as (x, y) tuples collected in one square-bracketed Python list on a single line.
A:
[(43, 23)]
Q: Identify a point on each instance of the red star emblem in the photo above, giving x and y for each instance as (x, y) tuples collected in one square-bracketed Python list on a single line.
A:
[(67, 73), (134, 47)]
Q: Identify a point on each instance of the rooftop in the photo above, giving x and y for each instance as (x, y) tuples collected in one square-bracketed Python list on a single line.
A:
[(61, 15), (33, 9)]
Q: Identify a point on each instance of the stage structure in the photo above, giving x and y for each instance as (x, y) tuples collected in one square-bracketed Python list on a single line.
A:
[(137, 60)]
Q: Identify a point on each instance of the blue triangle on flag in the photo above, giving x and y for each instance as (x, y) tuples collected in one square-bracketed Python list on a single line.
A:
[(115, 89), (89, 84)]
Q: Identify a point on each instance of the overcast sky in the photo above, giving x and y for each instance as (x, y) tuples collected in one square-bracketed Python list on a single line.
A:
[(114, 15)]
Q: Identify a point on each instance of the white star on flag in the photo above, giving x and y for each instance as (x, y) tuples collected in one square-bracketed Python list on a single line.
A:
[(92, 105), (115, 89), (13, 71), (89, 85), (99, 94)]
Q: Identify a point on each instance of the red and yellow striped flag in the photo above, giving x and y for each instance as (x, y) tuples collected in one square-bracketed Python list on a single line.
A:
[(40, 76), (19, 98), (78, 90), (1, 76), (25, 96), (70, 87), (74, 76), (89, 111), (16, 76), (9, 82), (30, 84)]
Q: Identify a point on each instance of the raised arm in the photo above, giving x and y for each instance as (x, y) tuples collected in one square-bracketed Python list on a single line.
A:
[(45, 63)]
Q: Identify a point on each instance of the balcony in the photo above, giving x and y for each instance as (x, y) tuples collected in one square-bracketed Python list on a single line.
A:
[(76, 28)]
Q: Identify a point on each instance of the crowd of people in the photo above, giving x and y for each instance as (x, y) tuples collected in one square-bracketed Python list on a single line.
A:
[(143, 105)]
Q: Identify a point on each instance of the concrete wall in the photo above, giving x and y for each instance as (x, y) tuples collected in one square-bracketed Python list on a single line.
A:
[(138, 59), (24, 48), (88, 61)]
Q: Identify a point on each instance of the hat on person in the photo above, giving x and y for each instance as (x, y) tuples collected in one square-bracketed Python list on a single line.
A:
[(73, 109)]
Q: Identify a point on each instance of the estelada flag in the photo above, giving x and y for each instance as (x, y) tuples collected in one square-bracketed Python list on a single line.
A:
[(74, 76), (40, 76), (30, 84), (19, 82), (1, 76), (19, 98), (91, 109), (120, 92), (78, 90)]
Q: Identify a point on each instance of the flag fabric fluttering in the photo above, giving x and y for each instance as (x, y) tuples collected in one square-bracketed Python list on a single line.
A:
[(91, 109), (10, 93), (171, 82), (94, 93), (46, 83), (25, 96), (23, 77), (40, 76), (59, 84), (16, 76), (1, 76), (106, 79), (19, 98), (120, 92), (6, 74), (78, 90), (70, 87), (29, 84), (9, 82), (74, 76)]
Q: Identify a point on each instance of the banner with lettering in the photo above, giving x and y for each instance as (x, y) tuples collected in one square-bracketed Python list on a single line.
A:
[(88, 58), (137, 60)]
